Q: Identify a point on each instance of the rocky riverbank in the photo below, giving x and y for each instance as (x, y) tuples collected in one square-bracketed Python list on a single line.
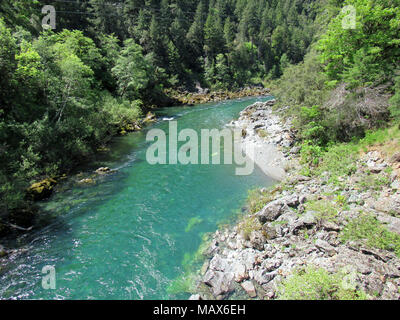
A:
[(264, 137), (205, 95), (346, 231)]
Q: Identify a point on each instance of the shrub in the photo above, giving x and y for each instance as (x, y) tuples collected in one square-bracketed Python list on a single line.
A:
[(338, 160), (120, 112), (310, 153), (325, 210), (258, 198), (368, 229), (317, 284)]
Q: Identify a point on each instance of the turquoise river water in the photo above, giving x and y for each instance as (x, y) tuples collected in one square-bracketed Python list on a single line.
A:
[(131, 234)]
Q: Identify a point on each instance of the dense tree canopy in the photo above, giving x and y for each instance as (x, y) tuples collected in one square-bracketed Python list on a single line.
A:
[(185, 36)]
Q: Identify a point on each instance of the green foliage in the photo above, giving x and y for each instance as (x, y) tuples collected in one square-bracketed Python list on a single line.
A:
[(192, 223), (343, 60), (258, 38), (324, 210), (368, 229), (183, 284), (334, 161), (302, 87), (53, 114), (317, 284), (119, 112), (132, 71), (258, 198), (368, 53), (338, 160), (8, 50)]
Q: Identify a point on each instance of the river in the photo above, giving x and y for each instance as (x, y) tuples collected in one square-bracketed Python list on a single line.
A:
[(132, 233)]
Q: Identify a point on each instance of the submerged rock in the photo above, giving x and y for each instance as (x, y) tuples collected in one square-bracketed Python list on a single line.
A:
[(86, 181)]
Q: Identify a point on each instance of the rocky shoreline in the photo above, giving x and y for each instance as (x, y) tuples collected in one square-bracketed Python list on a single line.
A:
[(302, 225), (265, 137)]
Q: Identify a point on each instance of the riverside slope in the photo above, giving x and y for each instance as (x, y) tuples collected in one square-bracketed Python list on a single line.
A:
[(291, 237)]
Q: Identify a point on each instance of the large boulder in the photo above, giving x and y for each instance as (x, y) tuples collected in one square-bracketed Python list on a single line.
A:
[(41, 190), (272, 211), (219, 282)]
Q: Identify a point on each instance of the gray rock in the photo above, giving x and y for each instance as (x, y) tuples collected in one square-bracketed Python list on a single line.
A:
[(248, 286), (249, 258), (212, 248), (195, 297), (395, 185), (288, 218), (391, 291), (330, 226), (271, 264), (104, 170), (257, 240), (262, 277), (300, 178), (239, 270), (302, 199), (295, 150), (292, 201), (377, 254), (219, 264), (272, 211), (325, 247), (270, 231), (308, 218), (353, 199), (220, 282), (376, 169), (392, 223)]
